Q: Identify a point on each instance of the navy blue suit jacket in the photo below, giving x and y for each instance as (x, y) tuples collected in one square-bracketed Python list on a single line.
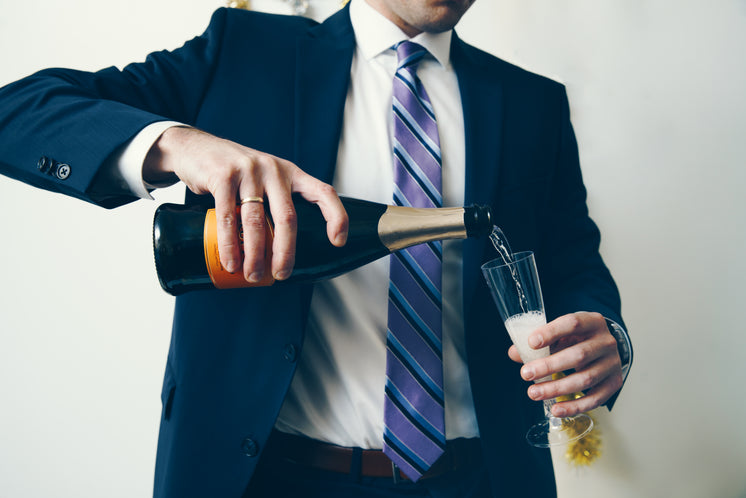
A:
[(278, 84)]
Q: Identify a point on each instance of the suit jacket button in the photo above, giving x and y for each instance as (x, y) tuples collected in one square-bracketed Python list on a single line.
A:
[(63, 171), (290, 353), (249, 447), (44, 164)]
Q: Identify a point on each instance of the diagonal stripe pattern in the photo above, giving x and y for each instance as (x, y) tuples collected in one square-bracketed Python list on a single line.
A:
[(414, 434)]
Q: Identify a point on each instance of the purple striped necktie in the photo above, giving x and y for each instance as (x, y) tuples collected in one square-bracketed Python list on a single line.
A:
[(414, 432)]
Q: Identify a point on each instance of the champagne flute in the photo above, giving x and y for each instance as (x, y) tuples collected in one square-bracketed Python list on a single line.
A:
[(514, 283)]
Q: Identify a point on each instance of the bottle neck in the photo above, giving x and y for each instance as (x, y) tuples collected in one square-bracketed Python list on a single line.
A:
[(401, 227)]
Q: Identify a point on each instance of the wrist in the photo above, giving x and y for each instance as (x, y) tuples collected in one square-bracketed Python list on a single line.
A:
[(158, 168)]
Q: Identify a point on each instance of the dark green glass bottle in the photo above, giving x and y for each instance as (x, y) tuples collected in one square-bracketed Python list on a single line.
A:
[(186, 250)]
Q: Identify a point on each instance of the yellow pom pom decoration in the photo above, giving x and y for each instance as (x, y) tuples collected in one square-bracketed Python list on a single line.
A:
[(584, 451), (239, 4)]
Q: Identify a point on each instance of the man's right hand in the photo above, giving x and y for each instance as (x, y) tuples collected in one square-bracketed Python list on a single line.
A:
[(230, 172)]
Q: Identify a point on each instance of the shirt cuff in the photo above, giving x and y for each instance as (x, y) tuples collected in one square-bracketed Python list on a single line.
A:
[(129, 161), (624, 345)]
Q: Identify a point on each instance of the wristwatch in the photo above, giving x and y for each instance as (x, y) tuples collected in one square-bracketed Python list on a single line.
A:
[(624, 345)]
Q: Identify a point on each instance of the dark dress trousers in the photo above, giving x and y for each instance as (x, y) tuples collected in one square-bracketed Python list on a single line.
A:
[(278, 84)]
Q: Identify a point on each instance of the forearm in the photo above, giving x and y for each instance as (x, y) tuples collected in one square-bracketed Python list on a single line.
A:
[(84, 119), (46, 118)]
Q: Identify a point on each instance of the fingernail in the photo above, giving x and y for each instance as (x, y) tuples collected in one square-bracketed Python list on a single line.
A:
[(282, 275), (534, 392), (340, 239), (559, 411), (255, 277), (535, 341), (527, 373), (230, 266)]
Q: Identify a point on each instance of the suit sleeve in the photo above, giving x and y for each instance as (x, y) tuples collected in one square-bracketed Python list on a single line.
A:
[(59, 126), (577, 278)]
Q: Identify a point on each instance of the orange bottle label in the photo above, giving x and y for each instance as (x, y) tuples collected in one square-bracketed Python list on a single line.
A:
[(222, 278)]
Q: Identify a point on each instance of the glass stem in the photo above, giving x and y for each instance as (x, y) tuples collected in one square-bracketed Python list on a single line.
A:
[(554, 422), (548, 404)]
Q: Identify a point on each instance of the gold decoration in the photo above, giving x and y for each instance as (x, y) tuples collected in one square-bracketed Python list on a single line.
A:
[(299, 6), (239, 4), (584, 451)]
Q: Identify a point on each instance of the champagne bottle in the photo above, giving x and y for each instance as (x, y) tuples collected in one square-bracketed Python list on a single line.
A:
[(185, 240)]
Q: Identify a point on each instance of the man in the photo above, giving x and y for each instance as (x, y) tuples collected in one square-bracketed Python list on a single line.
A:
[(280, 390)]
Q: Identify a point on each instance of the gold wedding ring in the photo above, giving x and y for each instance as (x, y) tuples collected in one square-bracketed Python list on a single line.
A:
[(246, 200)]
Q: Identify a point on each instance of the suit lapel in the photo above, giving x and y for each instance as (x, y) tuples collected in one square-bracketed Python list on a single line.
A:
[(323, 75), (481, 99)]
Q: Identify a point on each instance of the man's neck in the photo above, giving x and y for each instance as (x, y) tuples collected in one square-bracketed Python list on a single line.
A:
[(386, 11)]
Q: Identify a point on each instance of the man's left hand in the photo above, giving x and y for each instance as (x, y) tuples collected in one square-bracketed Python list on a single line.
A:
[(580, 343)]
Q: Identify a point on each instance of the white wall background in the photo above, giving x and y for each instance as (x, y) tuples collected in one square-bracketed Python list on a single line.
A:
[(658, 95)]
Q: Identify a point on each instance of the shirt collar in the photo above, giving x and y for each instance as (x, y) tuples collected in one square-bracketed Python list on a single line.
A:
[(374, 34)]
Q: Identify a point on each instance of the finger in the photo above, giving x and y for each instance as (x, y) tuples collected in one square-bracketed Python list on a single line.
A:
[(575, 357), (227, 227), (588, 379), (594, 398), (565, 327), (285, 233), (514, 355), (325, 196), (253, 228), (284, 218)]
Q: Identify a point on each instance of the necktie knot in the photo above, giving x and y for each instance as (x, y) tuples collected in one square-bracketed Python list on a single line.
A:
[(409, 54)]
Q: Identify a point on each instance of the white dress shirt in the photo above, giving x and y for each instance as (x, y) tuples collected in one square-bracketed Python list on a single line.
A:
[(338, 392)]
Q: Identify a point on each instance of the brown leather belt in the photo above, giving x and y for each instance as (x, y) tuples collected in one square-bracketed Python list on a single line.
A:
[(372, 463)]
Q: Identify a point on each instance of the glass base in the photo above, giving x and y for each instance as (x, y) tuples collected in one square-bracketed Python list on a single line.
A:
[(555, 431)]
